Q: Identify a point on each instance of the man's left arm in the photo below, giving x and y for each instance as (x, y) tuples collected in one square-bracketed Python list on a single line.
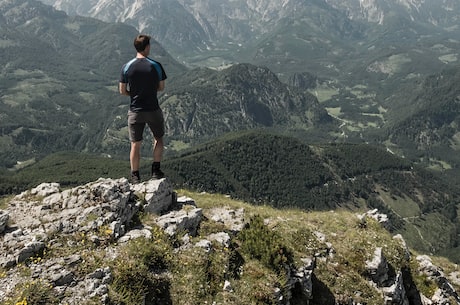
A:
[(123, 88)]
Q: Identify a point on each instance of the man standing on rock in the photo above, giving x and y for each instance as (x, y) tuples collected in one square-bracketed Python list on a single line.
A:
[(141, 79)]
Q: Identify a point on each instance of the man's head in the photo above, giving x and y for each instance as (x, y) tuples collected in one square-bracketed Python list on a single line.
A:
[(141, 42)]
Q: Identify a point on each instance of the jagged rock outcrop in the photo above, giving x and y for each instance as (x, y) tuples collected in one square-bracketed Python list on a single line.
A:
[(445, 291), (45, 211), (181, 220), (378, 268), (43, 218), (374, 214), (103, 215), (97, 213), (157, 194), (392, 287)]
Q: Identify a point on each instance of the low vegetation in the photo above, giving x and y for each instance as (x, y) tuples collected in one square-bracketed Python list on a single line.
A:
[(153, 271)]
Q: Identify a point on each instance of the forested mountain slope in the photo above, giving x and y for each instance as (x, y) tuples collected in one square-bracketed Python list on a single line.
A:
[(285, 172), (431, 131), (58, 79)]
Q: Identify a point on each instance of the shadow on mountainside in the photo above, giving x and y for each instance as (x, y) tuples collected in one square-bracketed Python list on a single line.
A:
[(321, 294)]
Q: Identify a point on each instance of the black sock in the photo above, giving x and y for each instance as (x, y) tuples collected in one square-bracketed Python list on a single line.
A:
[(135, 173), (155, 166)]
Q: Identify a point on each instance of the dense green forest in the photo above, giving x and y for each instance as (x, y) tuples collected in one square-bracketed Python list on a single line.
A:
[(67, 168), (257, 166)]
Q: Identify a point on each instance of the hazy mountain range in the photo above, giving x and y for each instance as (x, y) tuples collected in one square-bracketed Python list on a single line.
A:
[(384, 71), (326, 37)]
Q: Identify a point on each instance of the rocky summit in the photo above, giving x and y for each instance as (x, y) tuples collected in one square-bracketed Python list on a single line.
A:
[(62, 241)]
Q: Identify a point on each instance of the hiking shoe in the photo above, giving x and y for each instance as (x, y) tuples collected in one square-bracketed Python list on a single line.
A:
[(135, 178), (157, 174), (156, 171)]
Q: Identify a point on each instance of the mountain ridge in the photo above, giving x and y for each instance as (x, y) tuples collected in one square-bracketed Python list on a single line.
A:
[(117, 243), (255, 98), (340, 27)]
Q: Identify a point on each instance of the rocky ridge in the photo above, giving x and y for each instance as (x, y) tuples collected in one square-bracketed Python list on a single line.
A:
[(104, 214)]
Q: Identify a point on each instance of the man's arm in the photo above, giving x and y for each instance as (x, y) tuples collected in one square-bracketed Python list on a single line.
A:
[(161, 85), (122, 88)]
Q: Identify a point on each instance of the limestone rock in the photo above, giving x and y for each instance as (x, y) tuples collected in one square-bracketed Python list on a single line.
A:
[(45, 217), (396, 293), (303, 277), (157, 194), (4, 217), (445, 289), (186, 220), (377, 268), (45, 189), (373, 214), (232, 219)]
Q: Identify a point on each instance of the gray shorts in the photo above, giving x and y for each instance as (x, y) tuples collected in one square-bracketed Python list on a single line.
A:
[(137, 121)]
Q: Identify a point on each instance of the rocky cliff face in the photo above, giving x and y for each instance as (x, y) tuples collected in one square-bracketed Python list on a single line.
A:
[(50, 239), (381, 11), (246, 95)]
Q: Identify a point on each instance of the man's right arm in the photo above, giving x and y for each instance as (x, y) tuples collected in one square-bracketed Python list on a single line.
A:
[(161, 85)]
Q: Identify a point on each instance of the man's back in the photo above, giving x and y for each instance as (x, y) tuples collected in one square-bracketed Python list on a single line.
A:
[(143, 76)]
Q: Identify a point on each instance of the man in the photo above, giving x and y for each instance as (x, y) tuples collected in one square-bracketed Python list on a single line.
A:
[(141, 79)]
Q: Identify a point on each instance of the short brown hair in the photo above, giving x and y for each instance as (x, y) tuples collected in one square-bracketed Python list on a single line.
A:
[(141, 42)]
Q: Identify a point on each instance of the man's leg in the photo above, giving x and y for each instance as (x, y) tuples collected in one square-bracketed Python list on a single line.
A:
[(135, 155), (157, 126), (134, 159), (158, 148)]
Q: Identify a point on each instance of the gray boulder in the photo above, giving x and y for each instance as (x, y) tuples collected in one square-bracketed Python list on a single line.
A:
[(157, 194)]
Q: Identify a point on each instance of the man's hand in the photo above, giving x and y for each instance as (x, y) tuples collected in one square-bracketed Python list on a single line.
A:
[(161, 85)]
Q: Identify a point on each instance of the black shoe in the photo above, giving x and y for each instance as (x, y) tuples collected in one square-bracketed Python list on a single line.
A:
[(135, 178), (157, 174), (156, 171)]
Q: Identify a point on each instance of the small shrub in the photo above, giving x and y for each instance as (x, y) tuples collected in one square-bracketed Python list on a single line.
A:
[(258, 242)]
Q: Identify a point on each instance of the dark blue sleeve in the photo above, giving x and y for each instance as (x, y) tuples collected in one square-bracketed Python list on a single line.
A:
[(163, 73), (159, 68)]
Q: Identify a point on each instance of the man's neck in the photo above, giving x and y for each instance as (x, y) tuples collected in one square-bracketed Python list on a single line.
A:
[(140, 55)]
